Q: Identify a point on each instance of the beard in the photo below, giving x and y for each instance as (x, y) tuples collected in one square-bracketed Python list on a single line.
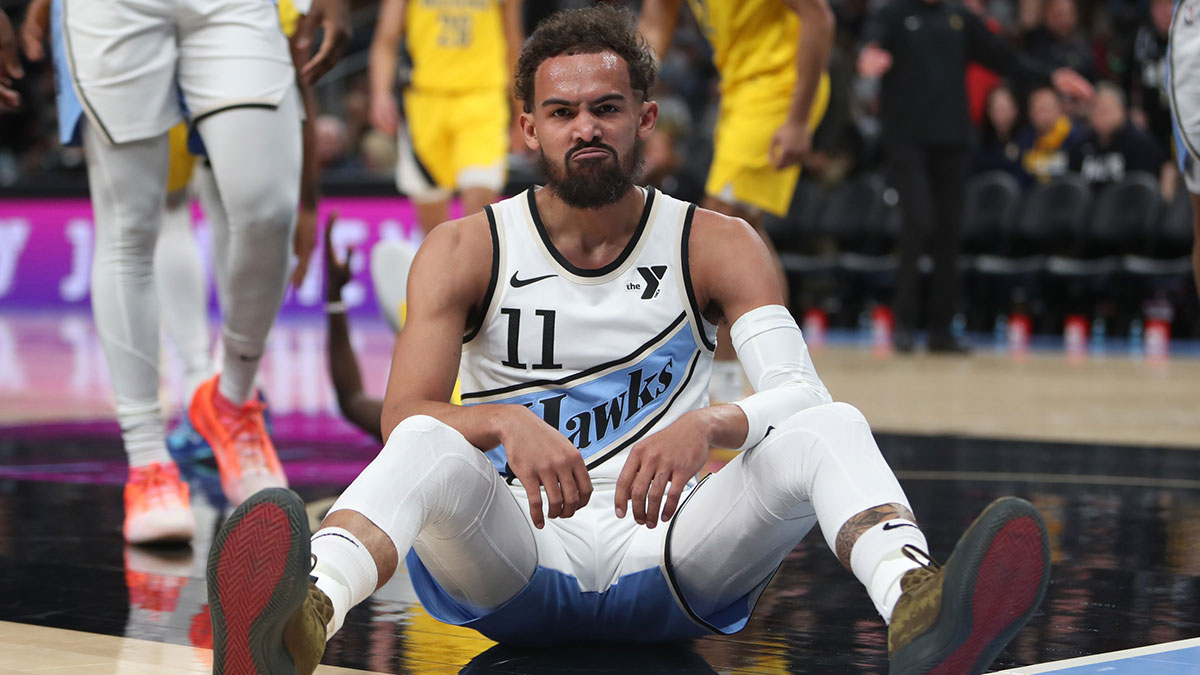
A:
[(592, 183)]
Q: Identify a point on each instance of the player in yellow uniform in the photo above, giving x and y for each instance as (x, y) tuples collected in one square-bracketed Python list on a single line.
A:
[(772, 56), (455, 132)]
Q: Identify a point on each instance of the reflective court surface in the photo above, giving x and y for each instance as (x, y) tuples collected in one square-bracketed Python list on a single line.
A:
[(1124, 522)]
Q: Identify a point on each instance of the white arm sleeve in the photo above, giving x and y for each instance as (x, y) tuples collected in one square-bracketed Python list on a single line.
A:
[(772, 351)]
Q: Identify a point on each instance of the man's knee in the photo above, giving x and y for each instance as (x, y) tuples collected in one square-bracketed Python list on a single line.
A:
[(420, 439), (829, 416)]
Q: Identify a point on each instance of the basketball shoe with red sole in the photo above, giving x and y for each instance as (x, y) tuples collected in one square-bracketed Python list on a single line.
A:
[(268, 618), (955, 619)]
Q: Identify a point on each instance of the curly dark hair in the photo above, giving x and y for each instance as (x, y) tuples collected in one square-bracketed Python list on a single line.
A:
[(590, 30)]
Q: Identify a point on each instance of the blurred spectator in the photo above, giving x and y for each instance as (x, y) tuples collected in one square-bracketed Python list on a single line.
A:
[(1112, 148), (1047, 143), (921, 49), (998, 149), (378, 152), (1147, 76), (1058, 42), (331, 143)]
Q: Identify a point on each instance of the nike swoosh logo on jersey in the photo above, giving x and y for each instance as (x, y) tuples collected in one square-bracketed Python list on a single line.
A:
[(517, 283), (896, 526)]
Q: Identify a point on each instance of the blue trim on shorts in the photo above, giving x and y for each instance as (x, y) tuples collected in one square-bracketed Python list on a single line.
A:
[(70, 110), (551, 609)]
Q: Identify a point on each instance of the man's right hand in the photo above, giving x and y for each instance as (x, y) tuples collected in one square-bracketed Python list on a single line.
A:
[(10, 65), (541, 457), (874, 61), (385, 114)]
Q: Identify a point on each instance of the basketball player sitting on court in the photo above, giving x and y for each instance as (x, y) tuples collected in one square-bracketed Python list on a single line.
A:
[(583, 316)]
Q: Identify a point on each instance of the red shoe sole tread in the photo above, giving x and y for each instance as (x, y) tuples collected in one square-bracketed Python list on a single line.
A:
[(257, 577), (1000, 597)]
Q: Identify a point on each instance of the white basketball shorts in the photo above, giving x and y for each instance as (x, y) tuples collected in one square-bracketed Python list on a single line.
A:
[(131, 60)]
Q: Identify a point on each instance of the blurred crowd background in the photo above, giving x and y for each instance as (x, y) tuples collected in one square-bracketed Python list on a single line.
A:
[(838, 240)]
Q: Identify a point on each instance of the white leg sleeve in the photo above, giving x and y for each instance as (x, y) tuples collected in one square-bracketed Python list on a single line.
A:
[(128, 183), (205, 185), (822, 465), (255, 156), (431, 490), (183, 293)]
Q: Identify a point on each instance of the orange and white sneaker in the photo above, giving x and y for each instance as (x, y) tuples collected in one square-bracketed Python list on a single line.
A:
[(157, 506), (244, 452)]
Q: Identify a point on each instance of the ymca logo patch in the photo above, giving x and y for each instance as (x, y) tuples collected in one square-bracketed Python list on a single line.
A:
[(652, 279)]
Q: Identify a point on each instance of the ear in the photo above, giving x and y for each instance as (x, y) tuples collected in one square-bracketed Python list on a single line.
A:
[(529, 131), (648, 120)]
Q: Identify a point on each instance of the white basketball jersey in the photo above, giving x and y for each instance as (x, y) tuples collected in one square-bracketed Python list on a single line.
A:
[(607, 356)]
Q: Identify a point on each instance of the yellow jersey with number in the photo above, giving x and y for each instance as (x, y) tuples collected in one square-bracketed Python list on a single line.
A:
[(456, 45), (751, 39)]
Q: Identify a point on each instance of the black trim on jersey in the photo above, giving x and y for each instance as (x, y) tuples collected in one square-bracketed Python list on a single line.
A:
[(232, 106), (83, 99), (491, 287), (646, 426), (581, 374), (669, 569), (579, 271), (687, 277)]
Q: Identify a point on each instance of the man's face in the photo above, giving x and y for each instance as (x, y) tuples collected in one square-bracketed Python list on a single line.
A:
[(588, 126), (1044, 110), (1061, 18), (1108, 115)]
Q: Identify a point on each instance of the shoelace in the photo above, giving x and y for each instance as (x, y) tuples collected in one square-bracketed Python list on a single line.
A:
[(928, 566), (158, 486), (246, 429)]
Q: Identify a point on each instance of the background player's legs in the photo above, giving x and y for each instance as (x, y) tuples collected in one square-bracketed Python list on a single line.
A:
[(947, 179), (183, 291), (431, 213), (428, 489), (475, 198), (907, 172), (821, 465), (127, 183), (255, 157)]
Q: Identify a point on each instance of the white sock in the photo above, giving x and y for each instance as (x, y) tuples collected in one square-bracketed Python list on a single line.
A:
[(345, 572), (728, 382), (879, 563), (143, 431)]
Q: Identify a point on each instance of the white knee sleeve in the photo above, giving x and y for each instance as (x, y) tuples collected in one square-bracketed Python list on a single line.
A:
[(828, 456)]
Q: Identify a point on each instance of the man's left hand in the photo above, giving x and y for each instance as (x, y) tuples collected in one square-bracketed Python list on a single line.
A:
[(674, 455), (303, 242), (334, 17), (790, 145)]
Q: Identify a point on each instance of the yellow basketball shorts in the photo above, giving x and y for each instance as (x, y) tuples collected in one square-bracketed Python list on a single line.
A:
[(179, 171), (741, 170), (452, 141)]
